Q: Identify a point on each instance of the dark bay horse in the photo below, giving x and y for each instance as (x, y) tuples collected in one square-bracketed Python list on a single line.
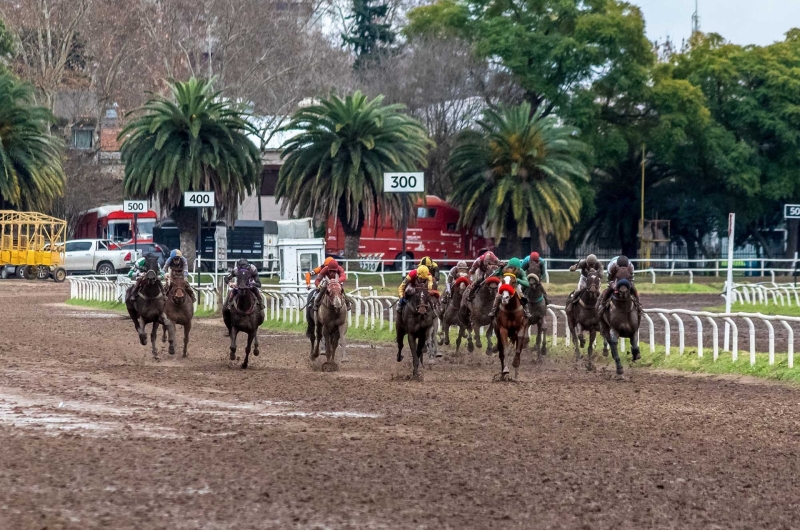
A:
[(450, 314), (537, 307), (415, 321), (475, 314), (179, 307), (330, 323), (511, 327), (246, 315), (583, 316), (621, 319), (147, 307)]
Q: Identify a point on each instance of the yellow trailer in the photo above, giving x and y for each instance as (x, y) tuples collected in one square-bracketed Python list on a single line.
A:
[(34, 242)]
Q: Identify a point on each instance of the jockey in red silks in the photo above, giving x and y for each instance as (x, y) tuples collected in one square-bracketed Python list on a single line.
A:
[(331, 271), (482, 268)]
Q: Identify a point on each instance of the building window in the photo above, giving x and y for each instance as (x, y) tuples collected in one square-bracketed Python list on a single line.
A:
[(82, 138)]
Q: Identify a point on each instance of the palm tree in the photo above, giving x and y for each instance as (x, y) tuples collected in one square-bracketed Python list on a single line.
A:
[(518, 171), (31, 175), (195, 141), (334, 166)]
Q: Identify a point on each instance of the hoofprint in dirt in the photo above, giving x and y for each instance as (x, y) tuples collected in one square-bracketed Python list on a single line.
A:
[(95, 434)]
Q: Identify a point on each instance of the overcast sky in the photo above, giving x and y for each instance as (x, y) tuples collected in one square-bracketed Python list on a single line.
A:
[(739, 21)]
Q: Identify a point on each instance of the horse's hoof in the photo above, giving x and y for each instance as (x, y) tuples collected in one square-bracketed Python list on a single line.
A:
[(582, 342), (233, 355), (143, 340), (515, 363), (185, 355), (256, 352), (637, 355), (470, 347), (163, 338), (619, 371), (439, 355), (399, 357), (605, 353), (590, 367), (494, 349), (330, 366), (244, 366), (417, 377), (171, 350)]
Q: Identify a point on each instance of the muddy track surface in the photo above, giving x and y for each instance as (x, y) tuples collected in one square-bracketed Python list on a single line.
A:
[(94, 434)]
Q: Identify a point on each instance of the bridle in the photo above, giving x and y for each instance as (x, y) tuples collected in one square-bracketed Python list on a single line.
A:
[(150, 279), (332, 290)]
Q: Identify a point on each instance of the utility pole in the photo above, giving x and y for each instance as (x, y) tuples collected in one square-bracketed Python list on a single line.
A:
[(641, 213), (696, 18)]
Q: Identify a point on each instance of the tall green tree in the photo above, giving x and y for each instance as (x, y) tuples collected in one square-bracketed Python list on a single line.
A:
[(195, 140), (7, 47), (370, 35), (334, 165), (31, 175), (518, 172)]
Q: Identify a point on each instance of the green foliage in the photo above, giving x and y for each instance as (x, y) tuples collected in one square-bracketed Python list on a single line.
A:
[(7, 47), (31, 176), (369, 37), (196, 141), (518, 171), (334, 165)]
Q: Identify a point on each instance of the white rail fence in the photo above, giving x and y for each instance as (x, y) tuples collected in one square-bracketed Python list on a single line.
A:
[(371, 311), (784, 294)]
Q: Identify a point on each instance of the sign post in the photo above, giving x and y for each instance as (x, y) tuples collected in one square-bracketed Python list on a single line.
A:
[(404, 182), (199, 200), (729, 283), (134, 207)]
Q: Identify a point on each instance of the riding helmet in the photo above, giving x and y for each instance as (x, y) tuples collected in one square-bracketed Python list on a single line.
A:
[(591, 259), (423, 272), (534, 256), (242, 263), (622, 261), (462, 265), (332, 264), (489, 257), (426, 261)]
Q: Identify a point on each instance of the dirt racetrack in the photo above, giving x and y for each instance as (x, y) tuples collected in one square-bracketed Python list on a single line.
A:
[(96, 435)]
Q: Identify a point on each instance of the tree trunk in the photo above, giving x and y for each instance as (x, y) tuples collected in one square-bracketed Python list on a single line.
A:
[(352, 235), (186, 220), (513, 241)]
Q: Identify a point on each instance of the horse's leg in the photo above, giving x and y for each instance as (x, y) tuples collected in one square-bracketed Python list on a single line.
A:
[(250, 336), (326, 334), (255, 343), (502, 343), (489, 330), (142, 332), (412, 345), (169, 325), (401, 335), (573, 331), (520, 343), (459, 337), (477, 332), (590, 359), (613, 338), (153, 337), (234, 332), (543, 332), (186, 329), (635, 347)]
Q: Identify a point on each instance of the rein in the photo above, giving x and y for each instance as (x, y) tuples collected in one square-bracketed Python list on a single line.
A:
[(247, 292)]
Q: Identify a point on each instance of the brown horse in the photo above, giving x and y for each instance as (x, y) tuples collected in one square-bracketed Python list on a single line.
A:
[(537, 307), (475, 314), (179, 307), (450, 314), (582, 316), (415, 321), (246, 315), (329, 323), (511, 326), (621, 319), (147, 306)]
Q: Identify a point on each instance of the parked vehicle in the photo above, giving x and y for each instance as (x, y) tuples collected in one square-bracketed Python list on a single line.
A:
[(110, 222), (433, 232), (102, 256), (31, 246), (143, 248)]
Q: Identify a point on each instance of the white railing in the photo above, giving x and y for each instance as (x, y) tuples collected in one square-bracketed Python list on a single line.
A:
[(784, 294), (371, 311)]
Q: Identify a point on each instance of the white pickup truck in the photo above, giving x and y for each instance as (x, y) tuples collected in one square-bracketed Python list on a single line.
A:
[(96, 255)]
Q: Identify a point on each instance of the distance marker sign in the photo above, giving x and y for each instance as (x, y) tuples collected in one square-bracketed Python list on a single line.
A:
[(404, 182), (791, 211), (198, 199), (134, 206)]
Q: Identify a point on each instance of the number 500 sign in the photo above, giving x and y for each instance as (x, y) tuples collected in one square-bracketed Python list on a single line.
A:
[(403, 182), (791, 211)]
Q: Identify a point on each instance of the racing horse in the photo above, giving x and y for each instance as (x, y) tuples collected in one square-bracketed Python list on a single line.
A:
[(179, 307), (621, 319), (147, 307), (450, 315), (511, 326), (537, 307), (416, 320), (246, 315), (475, 314), (582, 316), (329, 323)]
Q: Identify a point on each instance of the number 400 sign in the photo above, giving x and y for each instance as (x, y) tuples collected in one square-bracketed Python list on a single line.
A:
[(198, 199), (403, 182)]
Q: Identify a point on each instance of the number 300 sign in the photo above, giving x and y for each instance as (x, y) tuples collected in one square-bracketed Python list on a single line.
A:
[(404, 182)]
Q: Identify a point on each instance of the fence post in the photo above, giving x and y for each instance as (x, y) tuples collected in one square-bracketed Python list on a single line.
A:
[(680, 333), (790, 343), (734, 334), (699, 325), (752, 330), (665, 320), (715, 337)]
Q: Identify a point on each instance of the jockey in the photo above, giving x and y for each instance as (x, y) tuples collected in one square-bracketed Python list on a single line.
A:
[(433, 268), (177, 264), (619, 268), (253, 281), (481, 269), (514, 268), (591, 263), (331, 270), (137, 272), (421, 276), (324, 263), (461, 269), (534, 265)]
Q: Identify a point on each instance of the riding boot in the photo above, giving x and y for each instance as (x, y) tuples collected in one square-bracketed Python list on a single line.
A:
[(400, 304), (495, 307), (525, 308), (601, 305), (473, 290), (576, 295)]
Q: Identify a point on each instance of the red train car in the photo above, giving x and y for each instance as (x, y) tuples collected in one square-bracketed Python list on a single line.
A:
[(110, 222), (433, 232)]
